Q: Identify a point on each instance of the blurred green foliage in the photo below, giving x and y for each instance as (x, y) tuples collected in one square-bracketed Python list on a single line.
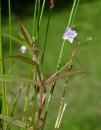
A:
[(25, 6)]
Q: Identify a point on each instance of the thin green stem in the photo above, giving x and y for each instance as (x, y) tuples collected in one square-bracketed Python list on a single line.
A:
[(11, 114), (34, 104), (34, 19), (13, 107), (26, 104), (43, 53), (71, 19), (2, 71), (43, 5), (1, 50), (74, 14), (1, 122), (38, 27), (10, 33)]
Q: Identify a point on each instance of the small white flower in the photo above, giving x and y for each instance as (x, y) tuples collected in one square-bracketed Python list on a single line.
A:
[(69, 34), (23, 49)]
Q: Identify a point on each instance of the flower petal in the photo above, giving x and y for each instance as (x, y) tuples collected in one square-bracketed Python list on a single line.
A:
[(71, 40), (74, 33), (65, 36)]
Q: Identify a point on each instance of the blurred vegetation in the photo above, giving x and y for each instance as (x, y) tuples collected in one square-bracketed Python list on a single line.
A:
[(23, 7), (83, 92)]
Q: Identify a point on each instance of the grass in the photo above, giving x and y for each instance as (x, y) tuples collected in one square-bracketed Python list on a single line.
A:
[(83, 92)]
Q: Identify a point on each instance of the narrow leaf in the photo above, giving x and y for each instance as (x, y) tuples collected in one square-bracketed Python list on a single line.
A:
[(64, 75), (16, 122), (26, 113), (23, 39), (26, 36), (12, 38), (24, 32), (23, 58), (15, 79)]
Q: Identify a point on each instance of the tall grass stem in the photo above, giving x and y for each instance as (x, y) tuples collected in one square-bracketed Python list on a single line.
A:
[(2, 70), (34, 19), (43, 53), (41, 14), (10, 33)]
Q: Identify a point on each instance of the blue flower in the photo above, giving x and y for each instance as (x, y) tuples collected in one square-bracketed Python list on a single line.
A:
[(23, 49), (69, 34)]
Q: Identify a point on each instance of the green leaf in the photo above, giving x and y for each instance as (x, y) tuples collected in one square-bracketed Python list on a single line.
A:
[(24, 32), (26, 36), (13, 38), (23, 58), (22, 38), (50, 80), (16, 79), (16, 122), (14, 119)]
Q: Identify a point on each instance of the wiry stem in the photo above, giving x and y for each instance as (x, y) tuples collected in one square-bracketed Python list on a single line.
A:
[(61, 106), (41, 97)]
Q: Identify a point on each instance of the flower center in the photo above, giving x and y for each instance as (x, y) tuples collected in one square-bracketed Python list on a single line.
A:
[(70, 35)]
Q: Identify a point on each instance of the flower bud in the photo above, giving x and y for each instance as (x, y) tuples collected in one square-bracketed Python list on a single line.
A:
[(23, 49)]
